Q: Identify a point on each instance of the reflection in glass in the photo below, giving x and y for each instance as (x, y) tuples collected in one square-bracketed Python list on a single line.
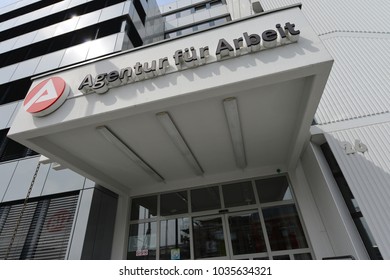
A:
[(209, 240), (281, 257), (144, 208), (174, 203), (284, 228), (238, 194), (246, 234), (175, 239), (142, 242), (273, 189), (304, 256), (205, 199)]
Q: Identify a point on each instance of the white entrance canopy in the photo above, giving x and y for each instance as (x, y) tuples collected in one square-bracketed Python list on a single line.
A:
[(242, 107)]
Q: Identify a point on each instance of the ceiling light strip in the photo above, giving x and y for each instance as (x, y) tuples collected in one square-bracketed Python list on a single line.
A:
[(233, 120), (176, 137), (113, 139)]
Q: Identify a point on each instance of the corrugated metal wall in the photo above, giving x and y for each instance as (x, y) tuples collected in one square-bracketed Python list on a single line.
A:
[(339, 15), (359, 83), (357, 35), (368, 176)]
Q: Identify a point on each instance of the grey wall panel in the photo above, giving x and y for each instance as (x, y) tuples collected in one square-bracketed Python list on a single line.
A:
[(6, 112), (101, 222), (21, 180), (50, 61), (18, 105), (111, 12), (6, 172), (368, 176), (7, 72), (26, 68), (88, 19), (75, 54), (62, 181), (80, 225), (102, 46)]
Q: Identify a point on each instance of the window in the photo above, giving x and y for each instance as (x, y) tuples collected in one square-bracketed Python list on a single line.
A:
[(27, 9), (140, 10), (254, 219), (63, 41), (50, 19), (14, 91), (44, 229), (199, 27), (9, 149)]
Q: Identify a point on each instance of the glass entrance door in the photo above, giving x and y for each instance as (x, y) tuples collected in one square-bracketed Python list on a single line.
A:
[(209, 235), (229, 236)]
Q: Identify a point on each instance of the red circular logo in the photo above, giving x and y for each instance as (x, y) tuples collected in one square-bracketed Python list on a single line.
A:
[(46, 97)]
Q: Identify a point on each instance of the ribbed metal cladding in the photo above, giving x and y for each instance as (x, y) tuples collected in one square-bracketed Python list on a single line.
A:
[(359, 83), (335, 15), (44, 230), (368, 176)]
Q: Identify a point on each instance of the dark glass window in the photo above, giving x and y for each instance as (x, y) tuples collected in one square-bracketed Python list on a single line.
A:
[(9, 149), (284, 228), (140, 10), (174, 203), (27, 9), (14, 91), (238, 194), (205, 199), (144, 207), (273, 189)]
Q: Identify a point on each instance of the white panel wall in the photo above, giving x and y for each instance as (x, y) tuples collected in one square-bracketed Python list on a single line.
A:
[(359, 83), (368, 176), (336, 15), (357, 34)]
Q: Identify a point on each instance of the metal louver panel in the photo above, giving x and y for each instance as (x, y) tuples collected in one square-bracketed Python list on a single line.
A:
[(44, 230), (54, 236), (9, 226)]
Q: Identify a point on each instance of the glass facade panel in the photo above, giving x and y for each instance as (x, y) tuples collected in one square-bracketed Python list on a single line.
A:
[(281, 257), (144, 208), (223, 222), (142, 241), (304, 256), (273, 189), (205, 199), (209, 238), (174, 203), (238, 194), (175, 239), (246, 234), (284, 228)]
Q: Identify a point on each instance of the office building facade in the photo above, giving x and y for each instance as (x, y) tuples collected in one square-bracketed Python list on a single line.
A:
[(206, 130)]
